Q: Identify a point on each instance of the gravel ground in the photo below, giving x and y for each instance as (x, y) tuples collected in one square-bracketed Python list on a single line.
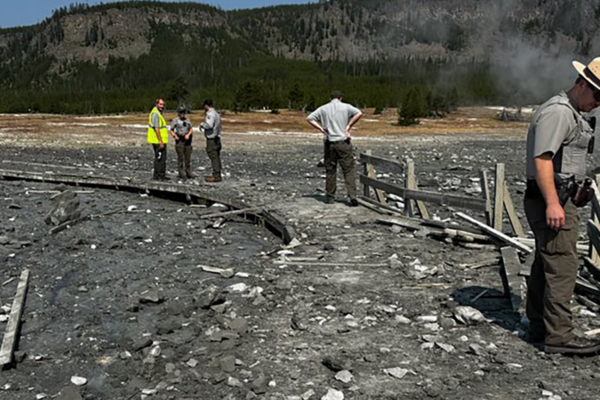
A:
[(123, 302)]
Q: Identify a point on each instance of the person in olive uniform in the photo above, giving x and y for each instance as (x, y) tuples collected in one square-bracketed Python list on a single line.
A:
[(335, 120), (183, 132), (558, 141)]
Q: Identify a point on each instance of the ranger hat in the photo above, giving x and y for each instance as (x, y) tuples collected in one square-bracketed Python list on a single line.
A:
[(181, 110), (591, 72)]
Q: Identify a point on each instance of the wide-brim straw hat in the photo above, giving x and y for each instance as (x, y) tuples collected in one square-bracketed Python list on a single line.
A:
[(591, 72)]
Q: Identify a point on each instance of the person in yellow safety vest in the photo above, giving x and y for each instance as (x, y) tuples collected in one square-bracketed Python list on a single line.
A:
[(158, 137)]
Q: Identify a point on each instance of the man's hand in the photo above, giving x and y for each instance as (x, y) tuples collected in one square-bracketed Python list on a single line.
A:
[(348, 131), (555, 216), (187, 137), (161, 145)]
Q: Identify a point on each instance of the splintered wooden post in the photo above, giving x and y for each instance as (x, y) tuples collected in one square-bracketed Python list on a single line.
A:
[(485, 191), (499, 198), (594, 254), (409, 175), (371, 173), (511, 266), (512, 214), (10, 336), (412, 184)]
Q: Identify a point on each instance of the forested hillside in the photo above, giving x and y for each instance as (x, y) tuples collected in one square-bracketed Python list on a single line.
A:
[(118, 57)]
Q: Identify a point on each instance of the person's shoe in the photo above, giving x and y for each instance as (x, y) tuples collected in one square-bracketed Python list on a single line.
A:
[(330, 200), (191, 176), (183, 177), (212, 179), (576, 346), (353, 203)]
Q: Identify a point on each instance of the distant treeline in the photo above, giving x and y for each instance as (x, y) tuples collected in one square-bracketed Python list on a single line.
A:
[(228, 69)]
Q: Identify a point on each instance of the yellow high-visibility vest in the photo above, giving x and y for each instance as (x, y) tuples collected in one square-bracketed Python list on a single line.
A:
[(164, 130)]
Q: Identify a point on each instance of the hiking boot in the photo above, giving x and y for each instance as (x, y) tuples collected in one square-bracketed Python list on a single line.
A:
[(576, 346), (353, 203), (212, 179), (191, 176)]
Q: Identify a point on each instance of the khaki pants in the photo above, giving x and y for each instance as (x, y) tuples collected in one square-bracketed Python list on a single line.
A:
[(160, 161), (553, 273), (342, 153), (213, 149), (184, 159)]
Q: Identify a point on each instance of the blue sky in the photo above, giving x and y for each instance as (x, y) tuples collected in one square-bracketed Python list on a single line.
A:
[(29, 12)]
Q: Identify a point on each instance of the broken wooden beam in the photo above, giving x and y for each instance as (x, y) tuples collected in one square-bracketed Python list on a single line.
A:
[(329, 264), (499, 197), (476, 204), (229, 213), (12, 329), (513, 218), (497, 234), (370, 171), (384, 163), (485, 192), (511, 266), (378, 207)]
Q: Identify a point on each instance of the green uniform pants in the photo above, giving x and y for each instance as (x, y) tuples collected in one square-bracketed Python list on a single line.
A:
[(340, 152), (184, 159), (213, 149), (553, 273)]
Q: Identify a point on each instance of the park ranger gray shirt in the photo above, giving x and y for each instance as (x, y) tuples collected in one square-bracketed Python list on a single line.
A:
[(334, 117), (557, 124), (212, 124)]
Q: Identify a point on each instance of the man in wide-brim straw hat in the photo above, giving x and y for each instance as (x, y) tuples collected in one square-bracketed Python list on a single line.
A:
[(558, 141)]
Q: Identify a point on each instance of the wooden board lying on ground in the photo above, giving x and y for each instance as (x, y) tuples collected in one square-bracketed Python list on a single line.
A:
[(12, 328), (476, 204), (511, 266), (495, 233), (229, 213)]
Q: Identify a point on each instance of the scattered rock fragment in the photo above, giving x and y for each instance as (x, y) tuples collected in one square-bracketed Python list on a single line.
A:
[(468, 315), (142, 344), (78, 380), (396, 372), (151, 296), (259, 385), (227, 364), (344, 376), (333, 394)]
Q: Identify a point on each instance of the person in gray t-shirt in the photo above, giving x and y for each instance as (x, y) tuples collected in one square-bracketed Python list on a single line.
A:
[(182, 131), (335, 120)]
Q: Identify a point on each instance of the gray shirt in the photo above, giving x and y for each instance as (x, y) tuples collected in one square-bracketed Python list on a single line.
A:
[(212, 124), (334, 117), (181, 127), (559, 129), (156, 120)]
